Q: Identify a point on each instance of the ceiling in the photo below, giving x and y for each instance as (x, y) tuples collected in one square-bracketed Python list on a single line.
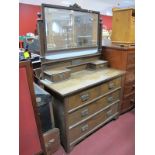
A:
[(104, 6)]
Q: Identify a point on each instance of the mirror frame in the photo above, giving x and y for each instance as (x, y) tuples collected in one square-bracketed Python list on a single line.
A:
[(48, 52)]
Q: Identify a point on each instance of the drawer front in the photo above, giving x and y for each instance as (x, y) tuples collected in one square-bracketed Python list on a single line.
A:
[(131, 60), (92, 108), (128, 102), (130, 76), (97, 66), (88, 125), (83, 97), (129, 88), (111, 85), (60, 76)]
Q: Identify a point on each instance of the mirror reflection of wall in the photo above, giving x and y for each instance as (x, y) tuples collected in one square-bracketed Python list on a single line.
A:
[(70, 29)]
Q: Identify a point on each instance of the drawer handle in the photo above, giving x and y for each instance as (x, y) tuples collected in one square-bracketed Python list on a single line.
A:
[(84, 128), (109, 113), (61, 76), (84, 112), (85, 97), (133, 87), (110, 99), (111, 85)]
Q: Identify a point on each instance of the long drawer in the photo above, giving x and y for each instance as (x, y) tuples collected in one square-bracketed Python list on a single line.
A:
[(77, 133), (82, 98), (86, 111)]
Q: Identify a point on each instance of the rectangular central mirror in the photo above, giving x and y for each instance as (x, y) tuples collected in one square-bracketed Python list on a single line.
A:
[(69, 29)]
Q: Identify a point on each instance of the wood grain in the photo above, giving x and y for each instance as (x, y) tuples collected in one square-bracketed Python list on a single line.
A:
[(122, 58), (82, 80), (123, 26)]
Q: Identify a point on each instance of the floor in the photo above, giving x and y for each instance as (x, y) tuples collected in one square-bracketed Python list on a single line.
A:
[(115, 138)]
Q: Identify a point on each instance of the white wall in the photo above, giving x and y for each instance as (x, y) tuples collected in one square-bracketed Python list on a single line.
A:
[(104, 6)]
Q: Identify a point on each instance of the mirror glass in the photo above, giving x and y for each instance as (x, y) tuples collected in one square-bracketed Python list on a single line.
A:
[(68, 29)]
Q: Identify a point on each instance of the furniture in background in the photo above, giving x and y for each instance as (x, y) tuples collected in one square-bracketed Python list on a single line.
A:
[(30, 136), (45, 108), (37, 135), (123, 58), (52, 140), (123, 26)]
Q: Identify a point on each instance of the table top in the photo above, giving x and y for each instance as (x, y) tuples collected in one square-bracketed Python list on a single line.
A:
[(109, 44), (82, 80)]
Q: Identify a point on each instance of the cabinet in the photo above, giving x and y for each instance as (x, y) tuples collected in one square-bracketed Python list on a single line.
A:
[(123, 26), (123, 58), (85, 101), (86, 94)]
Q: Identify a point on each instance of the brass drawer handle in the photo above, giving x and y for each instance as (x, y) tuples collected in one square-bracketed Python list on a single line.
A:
[(110, 99), (84, 112), (111, 85), (84, 128), (84, 97), (109, 113)]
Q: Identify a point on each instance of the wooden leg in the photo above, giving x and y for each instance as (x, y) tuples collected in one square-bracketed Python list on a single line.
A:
[(69, 149), (116, 117)]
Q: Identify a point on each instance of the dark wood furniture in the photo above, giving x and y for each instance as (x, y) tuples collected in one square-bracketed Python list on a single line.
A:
[(123, 58)]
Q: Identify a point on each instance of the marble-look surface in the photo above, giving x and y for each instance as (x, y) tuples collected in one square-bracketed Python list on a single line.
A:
[(82, 79)]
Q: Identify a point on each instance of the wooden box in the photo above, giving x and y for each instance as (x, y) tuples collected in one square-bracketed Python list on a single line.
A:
[(51, 140), (99, 64), (57, 74), (123, 26)]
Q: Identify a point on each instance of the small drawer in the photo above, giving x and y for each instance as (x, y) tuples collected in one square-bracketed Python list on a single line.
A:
[(90, 124), (92, 108), (130, 76), (99, 64), (57, 75), (60, 76), (131, 60), (111, 85), (83, 97)]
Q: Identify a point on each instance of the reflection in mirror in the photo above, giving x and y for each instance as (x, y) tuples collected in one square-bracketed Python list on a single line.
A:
[(68, 29)]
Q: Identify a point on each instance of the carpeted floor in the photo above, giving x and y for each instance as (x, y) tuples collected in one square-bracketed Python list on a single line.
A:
[(115, 138)]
